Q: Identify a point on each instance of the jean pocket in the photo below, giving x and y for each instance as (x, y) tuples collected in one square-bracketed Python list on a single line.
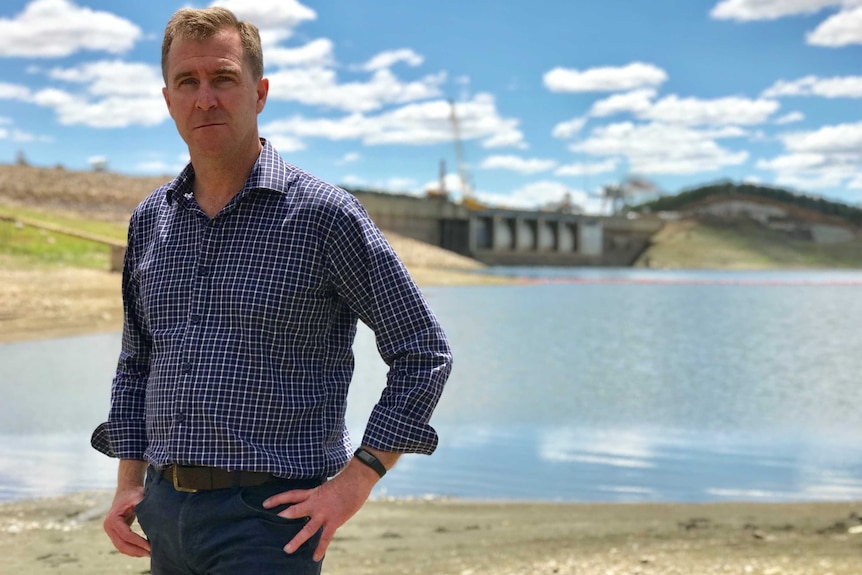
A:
[(149, 479), (252, 498)]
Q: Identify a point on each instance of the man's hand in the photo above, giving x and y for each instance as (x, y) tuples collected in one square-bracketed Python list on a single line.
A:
[(118, 522), (331, 505)]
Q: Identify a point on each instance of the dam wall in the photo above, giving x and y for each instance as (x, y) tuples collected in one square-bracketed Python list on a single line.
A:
[(514, 237)]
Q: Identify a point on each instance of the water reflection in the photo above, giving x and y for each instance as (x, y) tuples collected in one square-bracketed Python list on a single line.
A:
[(707, 389)]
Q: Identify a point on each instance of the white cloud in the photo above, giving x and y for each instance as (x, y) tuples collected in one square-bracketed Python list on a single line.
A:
[(114, 78), (790, 118), (15, 135), (277, 15), (587, 169), (415, 124), (533, 195), (116, 94), (688, 111), (349, 158), (794, 162), (13, 91), (748, 10), (110, 112), (659, 148), (160, 166), (837, 87), (819, 159), (569, 128), (839, 30), (635, 102), (315, 53), (395, 185), (58, 28), (838, 139), (286, 143), (817, 181), (390, 58), (518, 164), (452, 182), (716, 112), (604, 79), (319, 87)]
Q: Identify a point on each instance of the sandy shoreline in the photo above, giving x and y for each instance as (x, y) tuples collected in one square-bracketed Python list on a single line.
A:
[(64, 535)]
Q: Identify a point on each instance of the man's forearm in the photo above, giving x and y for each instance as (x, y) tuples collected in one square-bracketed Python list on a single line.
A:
[(131, 473), (387, 458)]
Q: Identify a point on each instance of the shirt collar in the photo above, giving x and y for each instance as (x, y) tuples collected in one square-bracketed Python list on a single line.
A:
[(269, 172)]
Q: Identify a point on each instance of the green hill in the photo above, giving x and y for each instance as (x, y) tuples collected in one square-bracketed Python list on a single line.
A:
[(816, 204), (702, 241)]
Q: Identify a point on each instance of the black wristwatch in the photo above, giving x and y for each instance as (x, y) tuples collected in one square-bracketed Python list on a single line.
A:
[(370, 460)]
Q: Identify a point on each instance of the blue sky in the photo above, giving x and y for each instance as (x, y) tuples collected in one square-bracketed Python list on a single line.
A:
[(552, 97)]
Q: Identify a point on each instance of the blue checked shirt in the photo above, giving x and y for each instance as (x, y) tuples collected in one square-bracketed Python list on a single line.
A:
[(237, 342)]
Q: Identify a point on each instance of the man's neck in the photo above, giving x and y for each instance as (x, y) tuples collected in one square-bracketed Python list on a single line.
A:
[(218, 180)]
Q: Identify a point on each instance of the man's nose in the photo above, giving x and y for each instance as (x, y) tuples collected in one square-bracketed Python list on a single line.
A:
[(206, 98)]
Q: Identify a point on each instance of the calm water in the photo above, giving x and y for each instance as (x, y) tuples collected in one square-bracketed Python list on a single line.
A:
[(578, 385)]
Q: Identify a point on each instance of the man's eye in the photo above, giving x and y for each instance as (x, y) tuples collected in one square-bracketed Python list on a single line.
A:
[(187, 82)]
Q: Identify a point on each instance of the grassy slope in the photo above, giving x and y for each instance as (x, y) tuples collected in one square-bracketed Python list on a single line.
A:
[(700, 245), (30, 247)]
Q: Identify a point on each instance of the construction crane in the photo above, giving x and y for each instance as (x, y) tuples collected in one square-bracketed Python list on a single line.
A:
[(619, 195), (467, 199)]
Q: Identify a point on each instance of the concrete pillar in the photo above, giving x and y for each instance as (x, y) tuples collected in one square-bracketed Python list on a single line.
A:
[(524, 235), (591, 238), (546, 237), (503, 237), (565, 237)]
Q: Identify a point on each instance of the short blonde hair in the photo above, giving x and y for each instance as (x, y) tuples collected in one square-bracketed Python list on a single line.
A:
[(203, 24)]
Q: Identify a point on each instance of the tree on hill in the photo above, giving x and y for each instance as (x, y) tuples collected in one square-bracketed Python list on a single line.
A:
[(685, 198)]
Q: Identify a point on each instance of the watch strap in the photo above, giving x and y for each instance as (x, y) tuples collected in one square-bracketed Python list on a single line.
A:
[(370, 460)]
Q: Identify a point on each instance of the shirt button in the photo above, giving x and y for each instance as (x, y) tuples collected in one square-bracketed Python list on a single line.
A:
[(195, 319), (186, 368), (203, 272), (180, 418)]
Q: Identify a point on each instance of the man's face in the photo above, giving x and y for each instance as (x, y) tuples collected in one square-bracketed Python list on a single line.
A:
[(212, 96)]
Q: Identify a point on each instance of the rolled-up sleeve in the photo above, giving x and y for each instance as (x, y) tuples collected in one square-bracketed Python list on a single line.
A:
[(373, 280)]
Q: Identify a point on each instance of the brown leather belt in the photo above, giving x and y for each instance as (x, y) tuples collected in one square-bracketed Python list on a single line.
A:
[(191, 479)]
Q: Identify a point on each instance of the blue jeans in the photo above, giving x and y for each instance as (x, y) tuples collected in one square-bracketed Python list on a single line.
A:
[(222, 531)]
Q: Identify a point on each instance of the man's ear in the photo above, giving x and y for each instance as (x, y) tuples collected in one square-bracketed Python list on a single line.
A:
[(167, 98), (262, 92)]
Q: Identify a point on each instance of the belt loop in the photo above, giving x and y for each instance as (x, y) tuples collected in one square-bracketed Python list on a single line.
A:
[(236, 479)]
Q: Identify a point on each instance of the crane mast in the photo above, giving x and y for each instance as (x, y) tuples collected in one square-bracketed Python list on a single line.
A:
[(459, 152)]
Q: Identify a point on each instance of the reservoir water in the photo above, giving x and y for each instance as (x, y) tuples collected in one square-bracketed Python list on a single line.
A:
[(574, 385)]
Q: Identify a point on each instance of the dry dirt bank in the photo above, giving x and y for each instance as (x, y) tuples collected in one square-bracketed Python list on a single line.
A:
[(45, 302), (41, 303)]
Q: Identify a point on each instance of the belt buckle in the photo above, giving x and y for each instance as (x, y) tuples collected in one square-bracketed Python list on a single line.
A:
[(177, 483)]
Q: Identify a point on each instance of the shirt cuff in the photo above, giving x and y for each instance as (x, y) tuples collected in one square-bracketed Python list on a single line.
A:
[(118, 441), (392, 432)]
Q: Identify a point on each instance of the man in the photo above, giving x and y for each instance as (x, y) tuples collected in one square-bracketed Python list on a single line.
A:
[(243, 282)]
